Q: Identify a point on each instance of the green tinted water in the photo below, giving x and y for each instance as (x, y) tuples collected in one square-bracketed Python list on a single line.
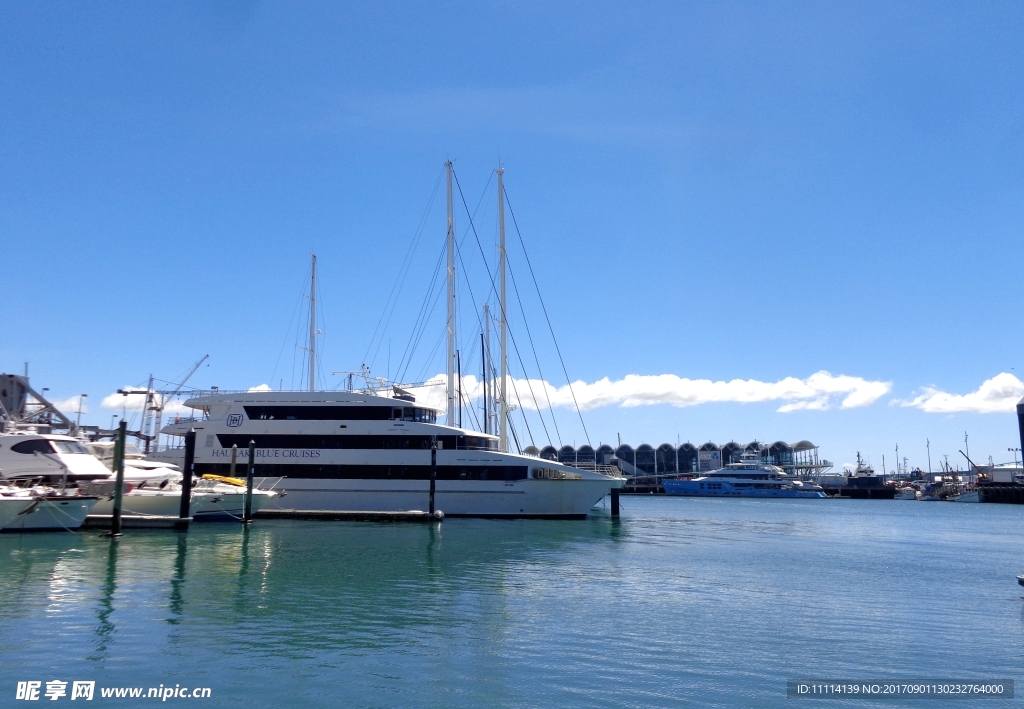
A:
[(684, 602)]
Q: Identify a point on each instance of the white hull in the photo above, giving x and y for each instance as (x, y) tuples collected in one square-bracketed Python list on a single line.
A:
[(475, 498), (973, 496), (10, 508), (161, 504), (226, 505), (53, 514)]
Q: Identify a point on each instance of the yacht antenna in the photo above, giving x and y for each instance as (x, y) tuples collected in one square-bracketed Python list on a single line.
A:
[(503, 411), (451, 296), (312, 327)]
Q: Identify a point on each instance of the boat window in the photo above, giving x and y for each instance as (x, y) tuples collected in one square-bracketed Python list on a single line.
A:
[(70, 447), (37, 445)]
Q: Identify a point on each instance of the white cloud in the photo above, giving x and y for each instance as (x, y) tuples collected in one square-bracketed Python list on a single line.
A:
[(136, 398), (261, 387), (818, 392), (70, 405), (999, 394)]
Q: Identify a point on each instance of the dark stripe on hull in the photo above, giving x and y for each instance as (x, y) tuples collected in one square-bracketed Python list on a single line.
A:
[(375, 472)]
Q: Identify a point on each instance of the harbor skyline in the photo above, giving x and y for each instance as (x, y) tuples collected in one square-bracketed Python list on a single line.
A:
[(759, 197)]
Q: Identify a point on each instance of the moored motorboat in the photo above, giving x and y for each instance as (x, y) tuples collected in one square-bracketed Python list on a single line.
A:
[(11, 507), (49, 509), (748, 478), (966, 496)]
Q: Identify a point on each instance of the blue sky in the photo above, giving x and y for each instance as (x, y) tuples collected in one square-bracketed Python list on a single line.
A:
[(715, 191)]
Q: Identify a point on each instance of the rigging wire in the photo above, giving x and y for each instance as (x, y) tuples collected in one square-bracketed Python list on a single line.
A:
[(419, 323), (298, 302), (403, 273), (536, 359), (548, 318), (504, 315)]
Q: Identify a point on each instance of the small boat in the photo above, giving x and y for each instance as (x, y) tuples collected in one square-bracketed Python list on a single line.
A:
[(1020, 579), (216, 497), (967, 496), (906, 493), (11, 507), (48, 509)]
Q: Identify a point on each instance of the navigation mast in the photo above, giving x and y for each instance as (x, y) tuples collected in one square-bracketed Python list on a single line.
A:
[(451, 297), (503, 410), (312, 327)]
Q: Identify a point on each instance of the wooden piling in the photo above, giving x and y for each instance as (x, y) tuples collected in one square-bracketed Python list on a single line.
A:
[(615, 502), (122, 435), (186, 474), (247, 515), (433, 471)]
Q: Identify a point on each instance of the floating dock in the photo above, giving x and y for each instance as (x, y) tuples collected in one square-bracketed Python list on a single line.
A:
[(352, 515)]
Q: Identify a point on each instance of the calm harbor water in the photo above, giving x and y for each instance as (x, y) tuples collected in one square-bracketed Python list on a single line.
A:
[(684, 602)]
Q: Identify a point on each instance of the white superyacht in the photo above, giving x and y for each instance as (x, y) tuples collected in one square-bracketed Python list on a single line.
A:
[(362, 451), (373, 450)]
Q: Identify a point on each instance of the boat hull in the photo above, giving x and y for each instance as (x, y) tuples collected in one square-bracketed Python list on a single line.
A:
[(225, 506), (10, 508), (157, 504), (553, 499), (688, 488), (53, 514), (973, 496)]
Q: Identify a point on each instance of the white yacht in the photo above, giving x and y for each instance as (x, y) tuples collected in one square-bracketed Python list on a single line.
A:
[(12, 504), (748, 478), (36, 469), (363, 451), (374, 450)]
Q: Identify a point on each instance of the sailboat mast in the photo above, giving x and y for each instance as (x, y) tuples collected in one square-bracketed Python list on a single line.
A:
[(485, 344), (312, 327), (451, 296), (503, 410)]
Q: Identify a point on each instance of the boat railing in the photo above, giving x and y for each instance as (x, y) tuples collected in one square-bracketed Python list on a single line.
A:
[(611, 471)]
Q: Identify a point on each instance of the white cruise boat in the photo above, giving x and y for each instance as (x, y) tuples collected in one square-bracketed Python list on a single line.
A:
[(748, 478), (361, 451), (366, 451)]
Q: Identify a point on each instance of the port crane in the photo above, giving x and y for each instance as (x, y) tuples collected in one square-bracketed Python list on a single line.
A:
[(166, 396)]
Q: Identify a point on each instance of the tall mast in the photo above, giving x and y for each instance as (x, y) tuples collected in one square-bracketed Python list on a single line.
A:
[(503, 409), (312, 328), (485, 343), (451, 296)]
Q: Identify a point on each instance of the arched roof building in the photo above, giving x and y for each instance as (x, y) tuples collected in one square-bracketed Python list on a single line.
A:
[(665, 459)]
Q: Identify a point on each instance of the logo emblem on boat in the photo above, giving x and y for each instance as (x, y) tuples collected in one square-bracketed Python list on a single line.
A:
[(235, 420)]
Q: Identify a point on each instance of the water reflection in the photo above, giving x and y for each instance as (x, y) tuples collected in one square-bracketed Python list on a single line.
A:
[(105, 627), (177, 598)]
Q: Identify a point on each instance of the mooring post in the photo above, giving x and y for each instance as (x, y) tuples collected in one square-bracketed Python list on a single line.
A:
[(234, 457), (615, 502), (433, 471), (186, 474), (122, 435), (247, 516)]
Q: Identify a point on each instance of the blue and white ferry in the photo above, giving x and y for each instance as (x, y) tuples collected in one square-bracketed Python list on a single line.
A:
[(748, 478)]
